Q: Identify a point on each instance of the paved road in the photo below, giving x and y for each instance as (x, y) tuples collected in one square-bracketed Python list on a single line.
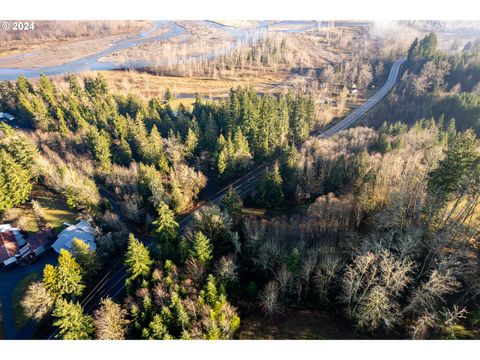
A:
[(371, 102), (113, 283)]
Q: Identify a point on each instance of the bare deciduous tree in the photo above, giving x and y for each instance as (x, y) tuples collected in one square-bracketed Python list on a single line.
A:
[(373, 282), (110, 321), (432, 292), (226, 270), (327, 271), (421, 326), (365, 76), (431, 77), (269, 299), (37, 302), (283, 278), (376, 309)]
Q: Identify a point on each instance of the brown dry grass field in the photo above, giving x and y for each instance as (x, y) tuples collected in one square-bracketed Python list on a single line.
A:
[(148, 85)]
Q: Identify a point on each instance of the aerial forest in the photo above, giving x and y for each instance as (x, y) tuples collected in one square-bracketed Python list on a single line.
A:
[(376, 227)]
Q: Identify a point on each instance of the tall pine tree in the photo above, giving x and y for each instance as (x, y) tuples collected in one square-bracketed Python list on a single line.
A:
[(15, 186), (166, 227), (73, 324), (138, 262)]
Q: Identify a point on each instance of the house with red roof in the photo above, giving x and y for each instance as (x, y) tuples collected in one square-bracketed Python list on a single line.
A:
[(10, 241), (14, 247)]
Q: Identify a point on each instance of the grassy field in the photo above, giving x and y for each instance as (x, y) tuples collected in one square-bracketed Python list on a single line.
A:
[(295, 325), (17, 295), (187, 102), (148, 85), (55, 208)]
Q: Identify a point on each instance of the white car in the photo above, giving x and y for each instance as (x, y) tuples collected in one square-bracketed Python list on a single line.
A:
[(6, 116)]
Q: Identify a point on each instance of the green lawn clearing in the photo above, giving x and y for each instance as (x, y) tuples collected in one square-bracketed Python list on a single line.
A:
[(56, 209), (187, 102), (54, 206), (18, 292)]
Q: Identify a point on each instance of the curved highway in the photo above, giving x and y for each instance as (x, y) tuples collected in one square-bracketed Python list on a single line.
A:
[(371, 102), (113, 282)]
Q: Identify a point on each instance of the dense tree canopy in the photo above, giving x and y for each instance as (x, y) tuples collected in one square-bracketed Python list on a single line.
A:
[(378, 228), (73, 324), (17, 168), (65, 279)]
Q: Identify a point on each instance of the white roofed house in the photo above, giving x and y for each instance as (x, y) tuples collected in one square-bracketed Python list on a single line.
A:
[(82, 231)]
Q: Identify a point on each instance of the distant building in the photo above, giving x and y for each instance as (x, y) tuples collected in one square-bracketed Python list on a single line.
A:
[(327, 100), (6, 116), (83, 231), (353, 89)]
